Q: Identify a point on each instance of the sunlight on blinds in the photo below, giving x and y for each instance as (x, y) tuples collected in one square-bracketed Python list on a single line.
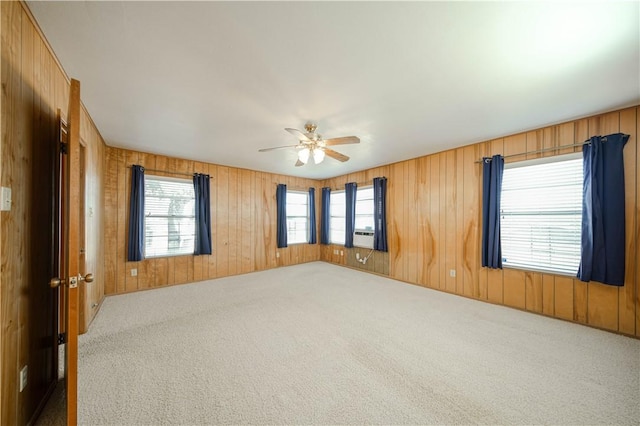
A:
[(541, 214), (169, 216)]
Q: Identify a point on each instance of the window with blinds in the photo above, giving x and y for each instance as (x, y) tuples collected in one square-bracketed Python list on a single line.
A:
[(541, 214), (364, 208), (169, 216), (297, 217), (337, 220)]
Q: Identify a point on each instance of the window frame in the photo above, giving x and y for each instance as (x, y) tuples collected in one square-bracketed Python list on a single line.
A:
[(360, 203), (307, 225), (548, 269), (160, 178), (333, 218)]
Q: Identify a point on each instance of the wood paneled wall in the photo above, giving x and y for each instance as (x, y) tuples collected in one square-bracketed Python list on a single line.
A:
[(434, 220), (34, 87), (243, 215)]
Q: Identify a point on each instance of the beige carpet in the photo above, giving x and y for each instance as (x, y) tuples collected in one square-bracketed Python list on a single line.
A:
[(322, 344)]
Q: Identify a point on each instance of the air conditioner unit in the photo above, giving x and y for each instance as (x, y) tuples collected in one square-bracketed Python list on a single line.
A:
[(363, 238)]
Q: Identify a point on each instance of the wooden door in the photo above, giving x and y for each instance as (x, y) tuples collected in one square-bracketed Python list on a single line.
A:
[(70, 250)]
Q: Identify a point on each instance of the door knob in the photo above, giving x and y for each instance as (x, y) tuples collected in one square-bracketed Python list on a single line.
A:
[(55, 282)]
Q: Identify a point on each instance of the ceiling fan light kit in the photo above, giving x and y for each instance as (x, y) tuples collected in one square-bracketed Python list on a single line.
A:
[(312, 144)]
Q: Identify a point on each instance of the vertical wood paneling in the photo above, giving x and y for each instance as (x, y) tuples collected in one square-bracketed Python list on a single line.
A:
[(212, 260), (434, 222), (563, 298), (636, 261), (243, 225), (396, 222), (233, 219), (626, 295), (424, 248), (548, 295), (222, 222), (438, 217), (442, 231), (460, 224), (11, 117), (411, 225), (533, 289), (450, 243), (471, 229), (33, 89)]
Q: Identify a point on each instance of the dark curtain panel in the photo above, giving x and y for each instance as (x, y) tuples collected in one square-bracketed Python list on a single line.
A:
[(312, 215), (203, 214), (135, 250), (281, 201), (380, 213), (492, 170), (326, 216), (350, 217), (603, 218)]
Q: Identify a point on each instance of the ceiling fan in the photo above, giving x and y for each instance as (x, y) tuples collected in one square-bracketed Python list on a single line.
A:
[(311, 144)]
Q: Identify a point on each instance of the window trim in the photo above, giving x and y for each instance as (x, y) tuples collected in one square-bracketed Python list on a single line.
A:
[(344, 217), (306, 241), (532, 162), (373, 219), (166, 179)]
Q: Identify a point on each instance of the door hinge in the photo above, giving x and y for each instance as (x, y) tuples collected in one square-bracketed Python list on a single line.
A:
[(62, 338), (63, 148)]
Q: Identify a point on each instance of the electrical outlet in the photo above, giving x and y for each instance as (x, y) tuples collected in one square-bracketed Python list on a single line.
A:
[(23, 378), (134, 272), (5, 202), (357, 256), (277, 254), (452, 273), (341, 252)]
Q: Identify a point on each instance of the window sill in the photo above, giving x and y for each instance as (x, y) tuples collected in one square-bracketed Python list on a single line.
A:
[(542, 271), (168, 256)]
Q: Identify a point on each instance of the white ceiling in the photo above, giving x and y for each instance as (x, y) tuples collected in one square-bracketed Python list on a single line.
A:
[(216, 81)]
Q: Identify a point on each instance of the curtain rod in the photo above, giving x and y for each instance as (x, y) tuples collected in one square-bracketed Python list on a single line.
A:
[(545, 149), (168, 172)]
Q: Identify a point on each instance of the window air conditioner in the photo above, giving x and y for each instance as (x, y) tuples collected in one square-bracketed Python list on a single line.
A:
[(363, 238)]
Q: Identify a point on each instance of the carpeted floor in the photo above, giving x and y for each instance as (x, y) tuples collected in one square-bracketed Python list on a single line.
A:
[(321, 344)]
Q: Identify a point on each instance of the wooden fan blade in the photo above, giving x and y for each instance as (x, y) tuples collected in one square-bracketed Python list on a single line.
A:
[(277, 147), (341, 141), (335, 154), (299, 163), (298, 134)]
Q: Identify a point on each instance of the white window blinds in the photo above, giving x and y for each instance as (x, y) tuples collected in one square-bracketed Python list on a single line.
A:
[(541, 214), (169, 216), (297, 217)]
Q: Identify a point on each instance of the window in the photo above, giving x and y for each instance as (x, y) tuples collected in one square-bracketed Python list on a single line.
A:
[(541, 214), (297, 217), (364, 208), (169, 216), (337, 220)]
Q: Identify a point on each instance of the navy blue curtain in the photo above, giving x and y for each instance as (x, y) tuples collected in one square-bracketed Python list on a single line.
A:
[(350, 216), (135, 251), (312, 216), (281, 201), (603, 218), (203, 214), (492, 171), (380, 214), (325, 219)]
